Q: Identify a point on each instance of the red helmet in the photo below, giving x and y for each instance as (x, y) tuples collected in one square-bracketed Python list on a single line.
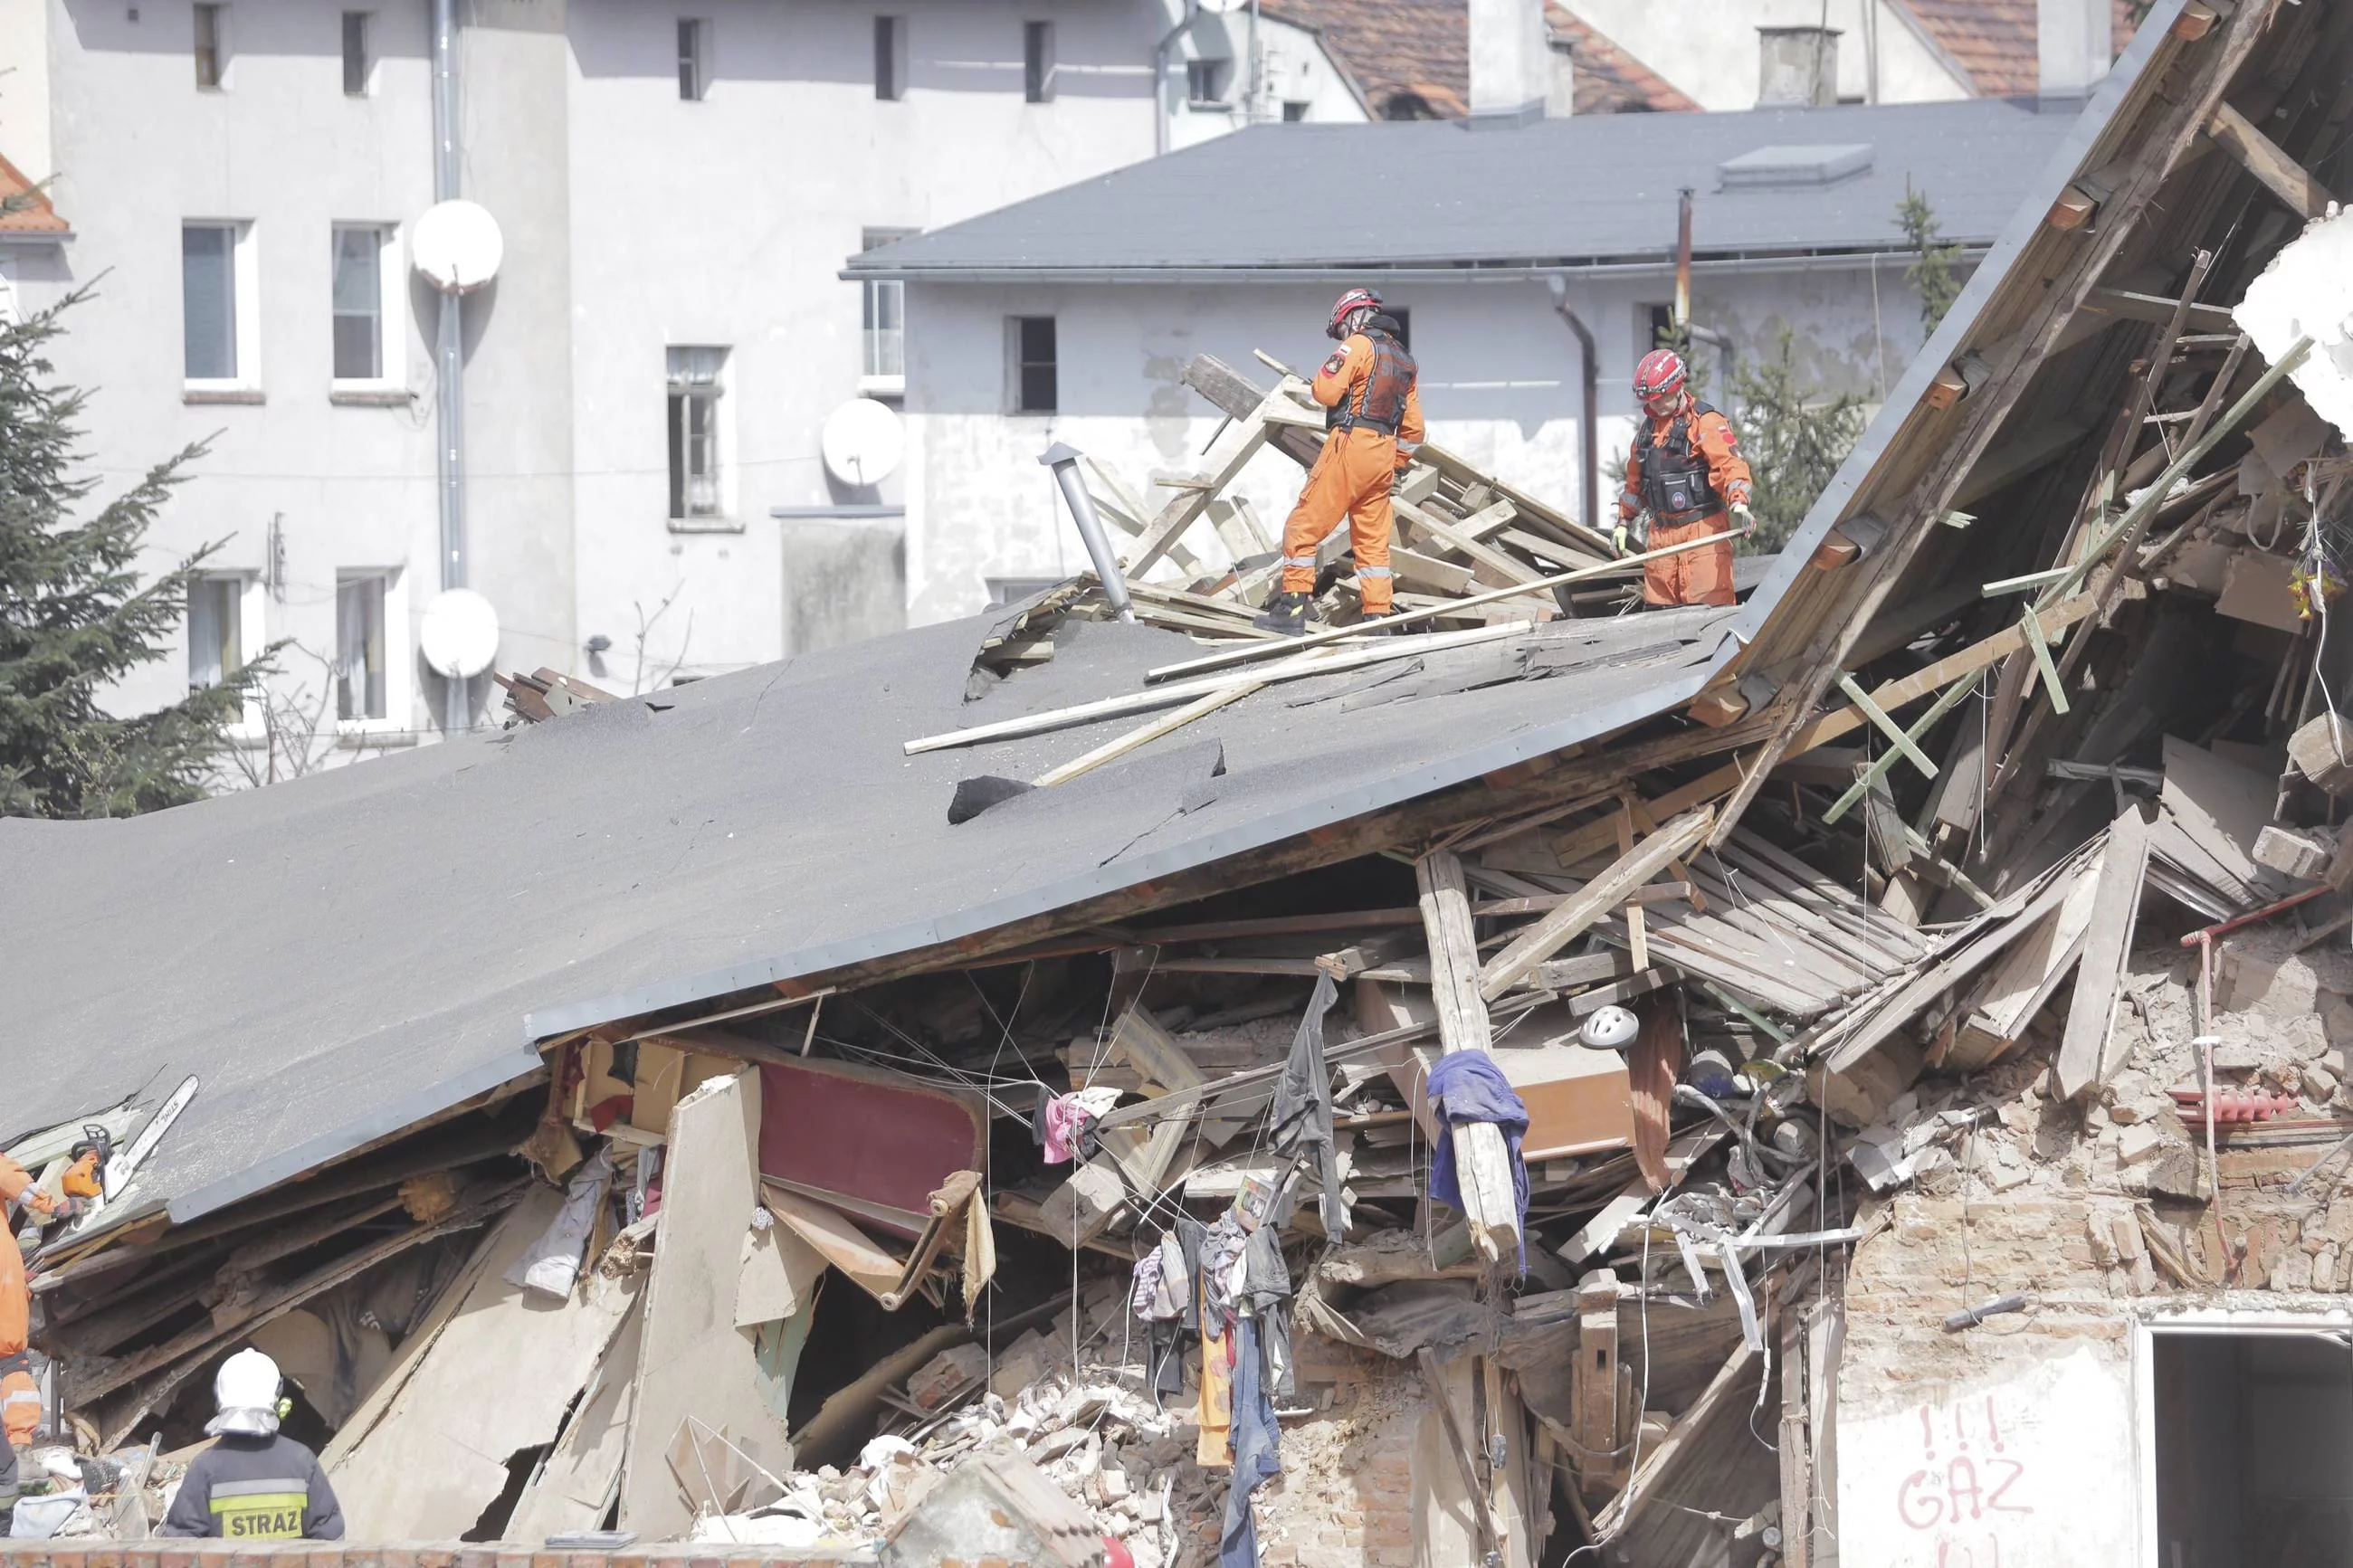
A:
[(1659, 378), (1353, 300)]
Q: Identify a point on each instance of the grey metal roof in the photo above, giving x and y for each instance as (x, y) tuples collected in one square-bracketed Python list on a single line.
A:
[(344, 956), (1595, 190)]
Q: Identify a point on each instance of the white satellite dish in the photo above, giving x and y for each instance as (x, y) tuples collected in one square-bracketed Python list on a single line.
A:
[(457, 245), (460, 636), (863, 442)]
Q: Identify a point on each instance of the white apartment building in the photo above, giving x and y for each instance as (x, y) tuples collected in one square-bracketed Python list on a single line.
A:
[(676, 185)]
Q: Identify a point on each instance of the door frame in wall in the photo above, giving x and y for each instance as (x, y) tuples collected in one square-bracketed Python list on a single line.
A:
[(2203, 1320)]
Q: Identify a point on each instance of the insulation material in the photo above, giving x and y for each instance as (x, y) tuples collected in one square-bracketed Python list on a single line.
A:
[(495, 1380), (2307, 291), (695, 1363)]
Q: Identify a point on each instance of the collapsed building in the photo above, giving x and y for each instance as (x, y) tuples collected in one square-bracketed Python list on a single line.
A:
[(810, 1110)]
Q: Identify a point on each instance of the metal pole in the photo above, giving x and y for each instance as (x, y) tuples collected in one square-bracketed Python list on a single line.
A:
[(1682, 260), (1589, 390), (450, 342), (1064, 461)]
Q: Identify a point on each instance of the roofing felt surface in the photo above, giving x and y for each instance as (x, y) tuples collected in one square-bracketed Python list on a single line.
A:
[(338, 957), (1579, 191)]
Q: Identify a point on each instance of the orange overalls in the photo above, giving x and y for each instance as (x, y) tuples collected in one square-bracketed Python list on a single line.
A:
[(1375, 425), (1686, 469), (20, 1398)]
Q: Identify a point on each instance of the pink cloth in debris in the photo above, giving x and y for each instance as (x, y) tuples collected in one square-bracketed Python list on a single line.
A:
[(1066, 1119)]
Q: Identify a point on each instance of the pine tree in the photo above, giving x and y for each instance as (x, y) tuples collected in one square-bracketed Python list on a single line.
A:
[(1794, 442), (1931, 271), (74, 617)]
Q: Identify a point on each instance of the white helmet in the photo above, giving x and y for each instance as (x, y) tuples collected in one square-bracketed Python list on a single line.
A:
[(246, 1390), (1611, 1028)]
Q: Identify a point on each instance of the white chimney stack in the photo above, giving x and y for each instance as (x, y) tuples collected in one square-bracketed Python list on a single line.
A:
[(1796, 67), (1511, 62), (2074, 40), (1560, 95)]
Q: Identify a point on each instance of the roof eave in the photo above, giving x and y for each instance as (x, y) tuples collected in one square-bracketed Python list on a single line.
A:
[(1475, 272)]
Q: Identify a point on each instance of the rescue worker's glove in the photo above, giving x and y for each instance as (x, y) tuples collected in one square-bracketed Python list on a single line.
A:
[(1621, 538), (1742, 515)]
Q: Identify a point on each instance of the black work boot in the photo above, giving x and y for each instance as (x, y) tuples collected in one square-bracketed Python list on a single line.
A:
[(1284, 613)]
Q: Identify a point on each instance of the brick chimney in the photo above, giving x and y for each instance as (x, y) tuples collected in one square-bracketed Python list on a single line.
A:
[(1511, 62)]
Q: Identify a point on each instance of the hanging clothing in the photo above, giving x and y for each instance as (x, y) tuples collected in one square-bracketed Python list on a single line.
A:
[(1302, 1118), (1220, 1250), (1255, 1451), (1469, 1086), (1215, 1449), (1266, 1292)]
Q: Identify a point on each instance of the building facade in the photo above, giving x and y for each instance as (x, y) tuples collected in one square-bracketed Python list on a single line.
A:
[(647, 381)]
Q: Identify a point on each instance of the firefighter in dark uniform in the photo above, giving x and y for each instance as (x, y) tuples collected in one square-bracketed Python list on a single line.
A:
[(253, 1484), (1686, 471), (1374, 424)]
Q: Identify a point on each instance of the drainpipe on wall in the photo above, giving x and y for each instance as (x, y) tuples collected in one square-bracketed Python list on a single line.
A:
[(1160, 109), (450, 342), (1587, 438)]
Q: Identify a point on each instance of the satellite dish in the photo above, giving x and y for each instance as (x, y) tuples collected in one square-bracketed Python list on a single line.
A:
[(863, 442), (460, 636), (457, 245)]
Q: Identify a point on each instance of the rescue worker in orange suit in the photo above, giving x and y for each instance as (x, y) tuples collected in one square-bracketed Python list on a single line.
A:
[(1373, 426), (1686, 471), (20, 1398)]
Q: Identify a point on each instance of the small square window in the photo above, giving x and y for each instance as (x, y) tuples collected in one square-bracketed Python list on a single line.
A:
[(1404, 318), (690, 40), (696, 386), (1654, 328), (358, 303), (355, 54), (1205, 83), (212, 47), (361, 666), (215, 634), (891, 57), (1037, 61), (1294, 111), (1034, 377)]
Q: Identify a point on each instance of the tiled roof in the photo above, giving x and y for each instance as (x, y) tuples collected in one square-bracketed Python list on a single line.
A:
[(1608, 79), (1993, 40), (1412, 58), (28, 209)]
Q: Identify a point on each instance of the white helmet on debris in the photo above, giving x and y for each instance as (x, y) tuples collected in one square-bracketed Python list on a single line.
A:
[(246, 1390), (1611, 1028)]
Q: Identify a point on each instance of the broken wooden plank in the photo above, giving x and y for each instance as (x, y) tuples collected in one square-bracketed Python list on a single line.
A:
[(2263, 158), (1564, 925), (2086, 1056), (1482, 1164), (1323, 662), (1482, 555), (1111, 750)]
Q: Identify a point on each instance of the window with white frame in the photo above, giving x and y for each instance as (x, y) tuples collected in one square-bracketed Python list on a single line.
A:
[(216, 630), (362, 668), (693, 40), (211, 48), (882, 365), (355, 54), (217, 313), (697, 382), (358, 298)]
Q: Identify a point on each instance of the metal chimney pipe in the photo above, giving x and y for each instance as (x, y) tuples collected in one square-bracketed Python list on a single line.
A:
[(449, 393), (1063, 459)]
